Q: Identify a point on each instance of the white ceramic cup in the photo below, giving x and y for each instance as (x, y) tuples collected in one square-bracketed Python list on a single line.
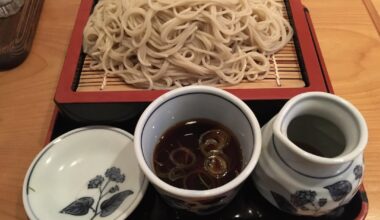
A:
[(197, 102), (314, 183)]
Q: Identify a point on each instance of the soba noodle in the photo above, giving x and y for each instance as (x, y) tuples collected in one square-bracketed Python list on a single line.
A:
[(159, 44)]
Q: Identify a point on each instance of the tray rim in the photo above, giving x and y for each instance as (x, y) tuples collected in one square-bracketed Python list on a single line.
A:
[(317, 78)]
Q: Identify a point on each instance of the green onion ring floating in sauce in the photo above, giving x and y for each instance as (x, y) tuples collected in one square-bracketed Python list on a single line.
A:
[(216, 165), (213, 141), (182, 157)]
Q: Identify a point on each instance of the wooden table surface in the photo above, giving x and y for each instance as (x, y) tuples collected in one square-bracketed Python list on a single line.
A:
[(349, 41)]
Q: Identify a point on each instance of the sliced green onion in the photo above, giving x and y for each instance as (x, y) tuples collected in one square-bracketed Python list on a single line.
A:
[(213, 141)]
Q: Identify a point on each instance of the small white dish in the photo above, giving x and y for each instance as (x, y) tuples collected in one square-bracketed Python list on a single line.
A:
[(87, 173)]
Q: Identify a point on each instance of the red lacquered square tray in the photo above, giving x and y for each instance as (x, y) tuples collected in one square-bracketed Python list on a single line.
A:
[(122, 109), (103, 105)]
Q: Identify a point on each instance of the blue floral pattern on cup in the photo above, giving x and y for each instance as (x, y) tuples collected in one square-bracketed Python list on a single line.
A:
[(358, 172), (339, 190), (307, 200)]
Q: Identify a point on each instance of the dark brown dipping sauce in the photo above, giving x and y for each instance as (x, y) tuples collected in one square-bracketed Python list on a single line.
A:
[(197, 154)]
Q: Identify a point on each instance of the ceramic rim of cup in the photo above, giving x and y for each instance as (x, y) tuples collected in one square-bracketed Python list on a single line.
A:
[(359, 119), (234, 183)]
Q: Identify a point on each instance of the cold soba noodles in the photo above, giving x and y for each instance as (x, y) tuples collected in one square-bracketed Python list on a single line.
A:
[(160, 44), (197, 154)]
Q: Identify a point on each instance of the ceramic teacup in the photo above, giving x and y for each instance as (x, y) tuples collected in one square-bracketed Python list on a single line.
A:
[(197, 102)]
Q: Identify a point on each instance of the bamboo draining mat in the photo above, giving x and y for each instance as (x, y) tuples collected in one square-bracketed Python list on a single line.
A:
[(289, 74)]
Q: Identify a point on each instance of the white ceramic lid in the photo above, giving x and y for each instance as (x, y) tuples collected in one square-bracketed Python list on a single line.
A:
[(87, 173)]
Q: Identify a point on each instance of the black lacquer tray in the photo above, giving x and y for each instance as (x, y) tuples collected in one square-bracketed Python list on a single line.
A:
[(248, 204)]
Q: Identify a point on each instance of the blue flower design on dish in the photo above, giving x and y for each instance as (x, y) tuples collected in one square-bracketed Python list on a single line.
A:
[(114, 174), (95, 182), (102, 207)]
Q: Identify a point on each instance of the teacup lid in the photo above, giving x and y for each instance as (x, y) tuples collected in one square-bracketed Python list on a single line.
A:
[(87, 173)]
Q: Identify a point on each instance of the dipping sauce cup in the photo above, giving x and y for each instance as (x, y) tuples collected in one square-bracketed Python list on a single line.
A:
[(203, 102)]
